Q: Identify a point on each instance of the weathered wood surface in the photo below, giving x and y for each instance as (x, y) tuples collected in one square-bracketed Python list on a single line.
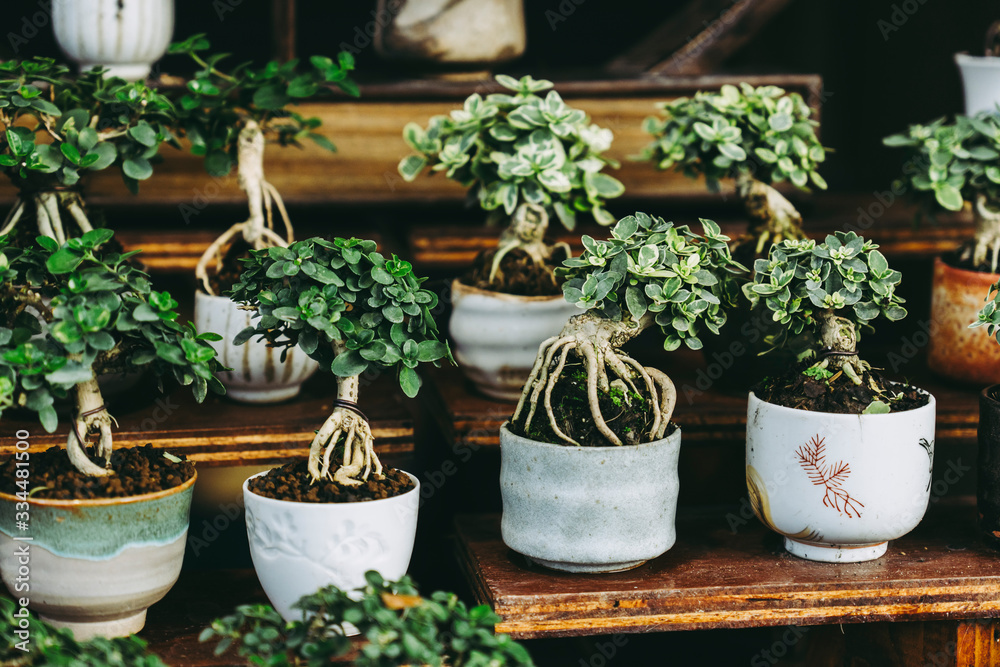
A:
[(715, 578), (223, 432)]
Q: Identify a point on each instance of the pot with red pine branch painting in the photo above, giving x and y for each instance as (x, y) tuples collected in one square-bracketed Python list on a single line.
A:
[(838, 487)]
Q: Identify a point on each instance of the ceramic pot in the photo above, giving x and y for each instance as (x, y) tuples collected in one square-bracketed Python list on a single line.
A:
[(125, 36), (839, 487), (297, 548), (259, 375), (446, 32), (980, 81), (955, 351), (988, 468), (588, 509), (96, 566), (496, 336)]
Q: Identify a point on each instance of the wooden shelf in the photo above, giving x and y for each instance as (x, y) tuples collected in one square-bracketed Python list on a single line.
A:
[(715, 579), (221, 432)]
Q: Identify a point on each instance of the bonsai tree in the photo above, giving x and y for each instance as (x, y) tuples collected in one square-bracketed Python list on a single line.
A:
[(760, 136), (350, 309), (60, 127), (523, 157), (72, 312), (950, 163), (649, 273), (228, 116), (399, 626), (832, 289)]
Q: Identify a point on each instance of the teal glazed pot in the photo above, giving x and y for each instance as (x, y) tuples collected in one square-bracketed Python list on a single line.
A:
[(95, 566)]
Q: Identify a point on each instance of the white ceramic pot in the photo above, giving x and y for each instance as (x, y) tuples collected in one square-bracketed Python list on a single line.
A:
[(589, 509), (838, 487), (95, 566), (981, 82), (125, 36), (497, 335), (259, 375), (297, 548)]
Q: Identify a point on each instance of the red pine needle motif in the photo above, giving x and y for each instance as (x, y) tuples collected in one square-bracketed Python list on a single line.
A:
[(812, 458)]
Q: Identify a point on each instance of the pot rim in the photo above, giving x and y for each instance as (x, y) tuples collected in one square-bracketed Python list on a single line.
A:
[(610, 448), (103, 502), (985, 393), (366, 503), (931, 404), (200, 293), (964, 57), (992, 277), (458, 286)]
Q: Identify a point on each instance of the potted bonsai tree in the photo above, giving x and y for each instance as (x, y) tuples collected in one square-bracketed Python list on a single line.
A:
[(981, 74), (525, 159), (952, 165), (329, 518), (838, 458), (227, 117), (70, 313), (57, 134), (399, 626), (589, 459)]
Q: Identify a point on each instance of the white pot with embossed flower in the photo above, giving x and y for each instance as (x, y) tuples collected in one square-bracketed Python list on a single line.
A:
[(839, 486), (299, 547)]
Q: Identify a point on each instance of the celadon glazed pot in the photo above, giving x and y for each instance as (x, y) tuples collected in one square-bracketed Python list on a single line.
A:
[(496, 336), (297, 548), (95, 566), (589, 509), (838, 486), (259, 375)]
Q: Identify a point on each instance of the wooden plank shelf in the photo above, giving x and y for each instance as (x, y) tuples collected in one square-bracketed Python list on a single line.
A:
[(715, 578), (222, 432)]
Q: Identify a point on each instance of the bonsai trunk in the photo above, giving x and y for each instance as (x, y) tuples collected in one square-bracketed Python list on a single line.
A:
[(597, 341), (91, 417), (358, 457), (48, 206), (839, 338), (258, 229), (772, 217), (987, 239), (526, 232)]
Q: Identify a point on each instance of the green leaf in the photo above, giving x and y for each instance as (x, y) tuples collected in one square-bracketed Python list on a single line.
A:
[(322, 142), (218, 163), (349, 364), (144, 134), (63, 260), (106, 153), (948, 196), (877, 408), (411, 166), (605, 186), (409, 381), (138, 168), (271, 97), (71, 152)]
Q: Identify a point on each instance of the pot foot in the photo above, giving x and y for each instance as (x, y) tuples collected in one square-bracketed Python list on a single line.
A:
[(118, 627), (825, 553), (587, 568), (275, 395)]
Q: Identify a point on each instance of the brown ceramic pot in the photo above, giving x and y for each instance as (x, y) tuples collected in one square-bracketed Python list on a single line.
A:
[(955, 351)]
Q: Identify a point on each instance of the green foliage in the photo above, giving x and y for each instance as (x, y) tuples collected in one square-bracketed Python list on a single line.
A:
[(649, 266), (948, 164), (818, 373), (989, 316), (846, 274), (72, 311), (77, 124), (216, 105), (763, 132), (400, 627), (51, 647), (511, 149), (318, 292)]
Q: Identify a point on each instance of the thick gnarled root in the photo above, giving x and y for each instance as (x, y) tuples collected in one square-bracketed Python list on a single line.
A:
[(84, 425), (597, 359), (359, 458), (526, 232)]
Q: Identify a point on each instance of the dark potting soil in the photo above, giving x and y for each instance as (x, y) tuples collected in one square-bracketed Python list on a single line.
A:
[(293, 482), (222, 281), (626, 413), (517, 275), (137, 470), (953, 259), (792, 389)]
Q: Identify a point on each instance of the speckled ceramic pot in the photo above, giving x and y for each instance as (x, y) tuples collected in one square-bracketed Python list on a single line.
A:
[(259, 375), (838, 487), (496, 336), (589, 509), (297, 548), (95, 566), (955, 351)]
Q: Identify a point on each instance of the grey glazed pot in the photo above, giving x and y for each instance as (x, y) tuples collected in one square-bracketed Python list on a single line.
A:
[(589, 509)]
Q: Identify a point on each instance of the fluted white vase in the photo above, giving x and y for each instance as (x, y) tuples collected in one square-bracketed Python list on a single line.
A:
[(125, 36)]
